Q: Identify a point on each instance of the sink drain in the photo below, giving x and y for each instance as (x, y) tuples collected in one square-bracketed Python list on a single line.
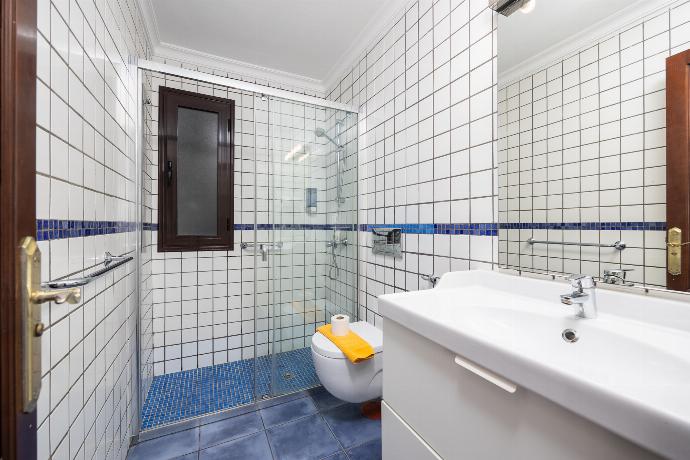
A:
[(570, 335)]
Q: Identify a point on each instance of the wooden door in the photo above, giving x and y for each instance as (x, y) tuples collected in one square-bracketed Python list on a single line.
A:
[(17, 213), (678, 164)]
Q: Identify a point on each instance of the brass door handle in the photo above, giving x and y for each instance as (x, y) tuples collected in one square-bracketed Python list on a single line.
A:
[(31, 295), (674, 243), (69, 295)]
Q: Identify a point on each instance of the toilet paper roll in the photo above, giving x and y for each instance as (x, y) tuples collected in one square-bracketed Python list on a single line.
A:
[(340, 325)]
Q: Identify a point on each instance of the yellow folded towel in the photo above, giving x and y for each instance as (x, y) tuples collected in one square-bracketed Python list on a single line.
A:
[(355, 348)]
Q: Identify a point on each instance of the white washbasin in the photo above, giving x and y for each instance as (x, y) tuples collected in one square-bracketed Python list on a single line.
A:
[(629, 370)]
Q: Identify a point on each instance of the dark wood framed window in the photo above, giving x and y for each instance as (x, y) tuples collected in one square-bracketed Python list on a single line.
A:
[(195, 171)]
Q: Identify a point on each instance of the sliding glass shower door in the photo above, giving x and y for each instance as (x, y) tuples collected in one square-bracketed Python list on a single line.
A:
[(222, 329), (310, 230)]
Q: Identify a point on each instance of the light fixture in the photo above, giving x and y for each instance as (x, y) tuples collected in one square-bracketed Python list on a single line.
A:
[(508, 7), (528, 6), (293, 152)]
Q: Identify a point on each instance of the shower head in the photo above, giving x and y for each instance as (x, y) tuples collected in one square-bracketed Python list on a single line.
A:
[(320, 132)]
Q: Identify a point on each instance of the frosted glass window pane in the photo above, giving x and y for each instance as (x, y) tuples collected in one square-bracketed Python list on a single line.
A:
[(197, 172)]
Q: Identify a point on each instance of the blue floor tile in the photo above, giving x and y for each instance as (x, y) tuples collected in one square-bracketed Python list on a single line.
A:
[(285, 412), (323, 399), (167, 447), (253, 447), (300, 433), (350, 426), (368, 451), (303, 439), (190, 456), (229, 429), (181, 395)]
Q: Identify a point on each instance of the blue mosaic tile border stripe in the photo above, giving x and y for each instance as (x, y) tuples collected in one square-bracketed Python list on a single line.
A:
[(55, 229), (478, 229), (180, 395), (249, 227), (348, 227), (651, 226)]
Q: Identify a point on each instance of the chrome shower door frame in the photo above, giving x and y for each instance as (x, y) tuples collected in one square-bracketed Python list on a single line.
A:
[(138, 67)]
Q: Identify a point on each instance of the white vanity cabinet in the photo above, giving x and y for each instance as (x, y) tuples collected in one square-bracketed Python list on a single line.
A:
[(433, 408)]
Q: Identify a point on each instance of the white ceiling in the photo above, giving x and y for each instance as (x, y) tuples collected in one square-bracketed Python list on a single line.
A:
[(523, 36), (304, 39)]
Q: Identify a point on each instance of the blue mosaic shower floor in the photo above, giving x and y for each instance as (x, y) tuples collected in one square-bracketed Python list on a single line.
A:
[(174, 397)]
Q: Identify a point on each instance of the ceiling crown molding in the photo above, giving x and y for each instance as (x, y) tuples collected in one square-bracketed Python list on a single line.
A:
[(249, 71), (374, 30), (595, 33), (148, 15)]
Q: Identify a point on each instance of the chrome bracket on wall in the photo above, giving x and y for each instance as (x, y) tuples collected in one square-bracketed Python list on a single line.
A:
[(387, 241)]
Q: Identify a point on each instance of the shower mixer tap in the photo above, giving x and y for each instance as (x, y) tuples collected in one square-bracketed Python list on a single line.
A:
[(333, 245)]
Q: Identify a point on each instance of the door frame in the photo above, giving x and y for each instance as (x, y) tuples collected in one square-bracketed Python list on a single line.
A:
[(678, 160), (17, 213)]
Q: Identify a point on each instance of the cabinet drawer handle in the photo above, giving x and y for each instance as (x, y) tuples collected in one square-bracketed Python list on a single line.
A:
[(486, 374)]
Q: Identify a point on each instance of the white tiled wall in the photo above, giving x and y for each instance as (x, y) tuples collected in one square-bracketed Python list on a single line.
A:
[(583, 140), (209, 308), (86, 170), (427, 91)]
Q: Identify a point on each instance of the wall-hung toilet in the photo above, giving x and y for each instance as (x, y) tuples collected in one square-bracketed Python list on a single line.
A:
[(353, 383)]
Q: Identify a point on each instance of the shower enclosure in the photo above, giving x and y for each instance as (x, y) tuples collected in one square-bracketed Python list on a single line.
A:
[(220, 329)]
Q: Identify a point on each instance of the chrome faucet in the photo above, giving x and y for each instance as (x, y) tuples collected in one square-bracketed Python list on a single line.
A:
[(583, 296)]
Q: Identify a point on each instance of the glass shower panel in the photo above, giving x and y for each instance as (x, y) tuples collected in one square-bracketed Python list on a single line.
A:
[(312, 204), (341, 213)]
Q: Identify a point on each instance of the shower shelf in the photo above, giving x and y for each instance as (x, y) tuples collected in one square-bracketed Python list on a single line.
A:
[(110, 263)]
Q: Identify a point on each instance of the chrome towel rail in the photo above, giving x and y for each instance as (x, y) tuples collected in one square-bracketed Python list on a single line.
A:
[(620, 245), (264, 248), (110, 263), (277, 245)]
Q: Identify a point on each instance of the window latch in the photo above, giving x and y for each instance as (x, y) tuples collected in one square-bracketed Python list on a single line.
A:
[(169, 171)]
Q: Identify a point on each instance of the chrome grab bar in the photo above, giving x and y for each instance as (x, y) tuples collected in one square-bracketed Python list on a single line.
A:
[(620, 245), (110, 263), (264, 248)]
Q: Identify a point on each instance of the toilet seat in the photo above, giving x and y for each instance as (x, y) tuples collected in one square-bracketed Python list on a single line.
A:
[(321, 345)]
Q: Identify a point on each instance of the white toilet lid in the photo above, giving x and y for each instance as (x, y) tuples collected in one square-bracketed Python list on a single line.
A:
[(321, 345)]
